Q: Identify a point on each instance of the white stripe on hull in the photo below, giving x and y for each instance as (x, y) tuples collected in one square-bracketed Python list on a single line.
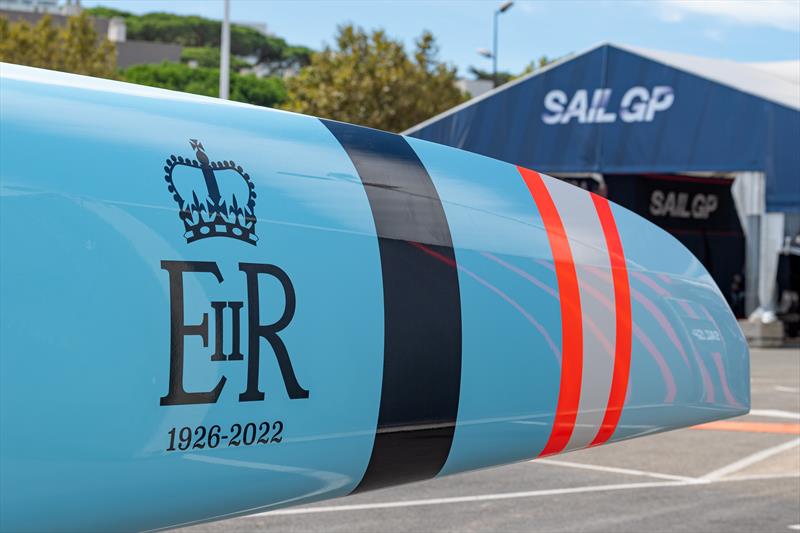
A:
[(589, 251)]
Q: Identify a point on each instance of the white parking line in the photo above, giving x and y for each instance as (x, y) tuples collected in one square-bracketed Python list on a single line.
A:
[(743, 463), (791, 390), (775, 413), (508, 496), (756, 477), (614, 470), (475, 498)]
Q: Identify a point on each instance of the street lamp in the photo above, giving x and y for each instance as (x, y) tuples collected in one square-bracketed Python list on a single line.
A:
[(505, 6)]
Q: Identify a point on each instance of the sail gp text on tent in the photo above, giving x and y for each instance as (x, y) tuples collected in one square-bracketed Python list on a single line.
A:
[(638, 104)]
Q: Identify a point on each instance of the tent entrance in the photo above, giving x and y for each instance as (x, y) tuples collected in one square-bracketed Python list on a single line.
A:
[(698, 211)]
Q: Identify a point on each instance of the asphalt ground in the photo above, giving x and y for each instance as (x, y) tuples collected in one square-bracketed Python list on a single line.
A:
[(728, 477)]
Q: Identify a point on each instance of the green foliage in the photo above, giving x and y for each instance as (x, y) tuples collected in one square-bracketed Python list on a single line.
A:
[(205, 81), (533, 66), (74, 48), (107, 12), (505, 77), (268, 92), (194, 31), (502, 76), (207, 56), (369, 79)]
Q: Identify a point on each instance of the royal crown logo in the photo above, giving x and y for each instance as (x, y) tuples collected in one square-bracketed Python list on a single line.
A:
[(213, 216)]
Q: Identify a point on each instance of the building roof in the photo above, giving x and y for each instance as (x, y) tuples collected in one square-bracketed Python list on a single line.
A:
[(618, 109), (789, 70), (775, 81)]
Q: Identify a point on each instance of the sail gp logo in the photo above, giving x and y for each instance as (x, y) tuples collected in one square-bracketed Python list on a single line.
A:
[(224, 207), (638, 104)]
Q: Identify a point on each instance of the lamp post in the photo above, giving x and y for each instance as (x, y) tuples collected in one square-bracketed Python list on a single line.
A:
[(225, 53), (505, 6)]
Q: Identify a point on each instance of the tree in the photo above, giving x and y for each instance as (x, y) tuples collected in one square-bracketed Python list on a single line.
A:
[(533, 66), (266, 92), (480, 74), (194, 31), (208, 56), (505, 77), (74, 48), (369, 79)]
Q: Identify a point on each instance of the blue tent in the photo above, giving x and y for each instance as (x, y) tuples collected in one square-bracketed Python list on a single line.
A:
[(622, 110)]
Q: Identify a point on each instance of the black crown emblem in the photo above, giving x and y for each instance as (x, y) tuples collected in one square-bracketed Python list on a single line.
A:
[(213, 216)]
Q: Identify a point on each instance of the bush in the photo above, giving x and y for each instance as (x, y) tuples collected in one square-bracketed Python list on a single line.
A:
[(267, 92)]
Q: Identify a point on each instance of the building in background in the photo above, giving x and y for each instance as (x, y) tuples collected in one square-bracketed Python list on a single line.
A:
[(475, 88), (705, 148), (139, 52), (128, 52), (54, 7)]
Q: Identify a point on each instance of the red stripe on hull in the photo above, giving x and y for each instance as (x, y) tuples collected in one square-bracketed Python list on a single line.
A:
[(571, 319), (622, 305)]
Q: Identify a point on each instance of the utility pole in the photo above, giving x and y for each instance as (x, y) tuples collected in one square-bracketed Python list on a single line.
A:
[(225, 53), (505, 6)]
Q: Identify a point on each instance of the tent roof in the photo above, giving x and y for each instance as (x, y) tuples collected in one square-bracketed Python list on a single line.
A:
[(777, 81), (789, 70)]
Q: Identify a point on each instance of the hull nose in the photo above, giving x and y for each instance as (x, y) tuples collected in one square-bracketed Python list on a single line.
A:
[(648, 341), (689, 358), (582, 322)]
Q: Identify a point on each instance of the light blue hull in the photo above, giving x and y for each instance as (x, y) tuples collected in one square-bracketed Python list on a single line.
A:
[(406, 310)]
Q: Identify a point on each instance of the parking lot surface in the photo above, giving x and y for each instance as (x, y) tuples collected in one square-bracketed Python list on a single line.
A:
[(742, 475)]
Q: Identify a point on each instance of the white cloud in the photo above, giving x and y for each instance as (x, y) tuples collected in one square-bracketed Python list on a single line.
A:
[(529, 7), (669, 14), (781, 14), (714, 34)]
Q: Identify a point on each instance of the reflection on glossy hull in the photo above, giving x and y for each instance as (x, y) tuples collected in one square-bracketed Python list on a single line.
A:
[(210, 309)]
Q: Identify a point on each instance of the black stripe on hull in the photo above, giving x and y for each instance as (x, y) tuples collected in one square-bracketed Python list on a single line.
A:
[(422, 309)]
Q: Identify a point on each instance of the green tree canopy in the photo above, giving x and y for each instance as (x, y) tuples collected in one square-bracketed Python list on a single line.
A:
[(505, 77), (480, 74), (266, 92), (197, 31), (208, 56), (74, 48), (108, 12), (369, 79)]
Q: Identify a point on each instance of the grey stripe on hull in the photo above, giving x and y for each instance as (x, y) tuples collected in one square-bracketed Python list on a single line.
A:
[(589, 252)]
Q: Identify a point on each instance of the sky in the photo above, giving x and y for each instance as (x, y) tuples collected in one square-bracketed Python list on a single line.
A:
[(731, 29)]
